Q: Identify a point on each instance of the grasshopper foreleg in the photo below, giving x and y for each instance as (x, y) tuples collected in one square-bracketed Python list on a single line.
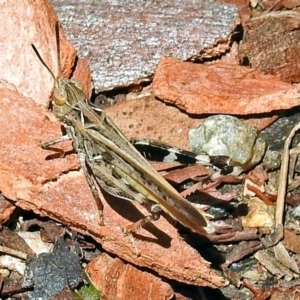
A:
[(59, 153), (48, 144)]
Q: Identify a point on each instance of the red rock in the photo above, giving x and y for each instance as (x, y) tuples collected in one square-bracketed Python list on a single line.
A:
[(291, 241), (31, 22), (117, 280), (271, 43), (243, 7), (151, 118), (6, 210), (221, 88)]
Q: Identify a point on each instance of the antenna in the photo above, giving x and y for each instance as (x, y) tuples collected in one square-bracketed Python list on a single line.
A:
[(58, 47), (58, 53), (42, 61)]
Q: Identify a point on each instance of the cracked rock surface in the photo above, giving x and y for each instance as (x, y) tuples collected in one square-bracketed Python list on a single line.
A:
[(124, 40)]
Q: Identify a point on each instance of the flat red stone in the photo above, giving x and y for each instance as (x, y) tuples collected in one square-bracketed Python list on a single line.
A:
[(221, 88)]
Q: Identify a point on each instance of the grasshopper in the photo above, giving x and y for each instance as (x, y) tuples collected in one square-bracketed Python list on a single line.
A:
[(111, 161)]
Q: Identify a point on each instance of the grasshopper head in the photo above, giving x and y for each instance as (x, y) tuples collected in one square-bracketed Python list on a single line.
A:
[(67, 94)]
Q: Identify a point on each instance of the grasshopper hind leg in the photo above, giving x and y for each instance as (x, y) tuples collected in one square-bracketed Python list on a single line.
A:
[(130, 228), (154, 215), (155, 212)]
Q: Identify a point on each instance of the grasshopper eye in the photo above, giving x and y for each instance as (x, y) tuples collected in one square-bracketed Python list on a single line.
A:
[(60, 96), (78, 84)]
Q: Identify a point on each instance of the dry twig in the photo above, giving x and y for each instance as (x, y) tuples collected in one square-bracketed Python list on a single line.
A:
[(13, 252)]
